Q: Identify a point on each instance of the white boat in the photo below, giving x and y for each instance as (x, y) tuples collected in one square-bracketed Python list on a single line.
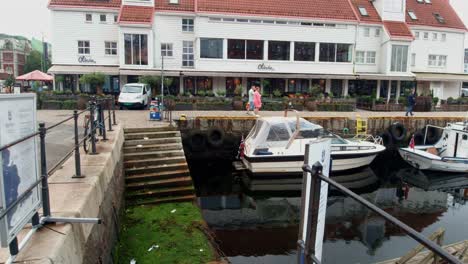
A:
[(449, 154), (276, 146)]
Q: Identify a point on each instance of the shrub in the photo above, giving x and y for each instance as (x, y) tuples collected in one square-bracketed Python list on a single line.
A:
[(201, 93), (402, 100), (221, 93), (316, 92), (95, 80), (277, 93), (238, 90), (209, 93), (69, 104)]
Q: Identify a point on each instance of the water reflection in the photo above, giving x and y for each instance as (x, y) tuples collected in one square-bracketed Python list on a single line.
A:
[(259, 226)]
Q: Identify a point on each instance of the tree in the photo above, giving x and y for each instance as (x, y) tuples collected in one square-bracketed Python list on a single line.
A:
[(95, 80), (10, 81), (155, 82), (33, 61)]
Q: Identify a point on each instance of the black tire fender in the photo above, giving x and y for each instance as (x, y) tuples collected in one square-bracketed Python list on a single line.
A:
[(387, 138), (215, 137), (197, 140), (398, 132)]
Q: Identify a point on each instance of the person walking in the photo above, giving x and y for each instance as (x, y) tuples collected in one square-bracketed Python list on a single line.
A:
[(257, 99), (411, 102), (251, 99)]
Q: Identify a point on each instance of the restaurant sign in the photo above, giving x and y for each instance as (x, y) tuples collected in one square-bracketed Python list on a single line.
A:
[(264, 67), (85, 59)]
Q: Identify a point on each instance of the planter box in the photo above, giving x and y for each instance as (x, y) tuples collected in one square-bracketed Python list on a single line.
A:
[(184, 107), (452, 108), (52, 105), (214, 107)]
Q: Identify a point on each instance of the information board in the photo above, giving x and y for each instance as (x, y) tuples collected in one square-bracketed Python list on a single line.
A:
[(19, 163)]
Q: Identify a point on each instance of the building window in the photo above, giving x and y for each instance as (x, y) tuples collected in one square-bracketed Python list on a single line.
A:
[(366, 32), (270, 85), (89, 18), (195, 84), (370, 59), (434, 36), (426, 35), (166, 49), (110, 48), (298, 85), (236, 49), (416, 35), (187, 54), (332, 52), (304, 51), (211, 48), (443, 37), (242, 49), (103, 18), (187, 25), (439, 18), (116, 18), (360, 56), (278, 50), (412, 15), (399, 61), (413, 59), (136, 49), (363, 11), (437, 60), (377, 32), (83, 47), (255, 49)]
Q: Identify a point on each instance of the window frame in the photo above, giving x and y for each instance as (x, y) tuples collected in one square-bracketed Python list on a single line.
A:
[(363, 11), (425, 35), (284, 57), (360, 54), (435, 36), (412, 15), (209, 49), (416, 34), (366, 32), (90, 16), (399, 58), (109, 49), (102, 16), (188, 55), (335, 48), (166, 49), (84, 47), (377, 32), (373, 58), (188, 25), (443, 37), (305, 44), (137, 56), (435, 61)]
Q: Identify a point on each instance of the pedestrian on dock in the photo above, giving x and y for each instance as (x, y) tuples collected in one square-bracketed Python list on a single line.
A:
[(251, 105), (411, 103), (257, 99)]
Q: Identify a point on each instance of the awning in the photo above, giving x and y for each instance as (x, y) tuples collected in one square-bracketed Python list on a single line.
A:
[(148, 72), (377, 76), (35, 76), (441, 77), (268, 75), (78, 69)]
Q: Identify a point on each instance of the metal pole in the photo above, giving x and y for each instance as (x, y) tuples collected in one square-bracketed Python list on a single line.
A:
[(113, 112), (36, 220), (98, 107), (92, 107), (45, 184), (103, 121), (109, 113), (162, 87), (77, 148)]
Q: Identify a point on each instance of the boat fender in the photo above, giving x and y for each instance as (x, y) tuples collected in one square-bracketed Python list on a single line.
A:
[(398, 131), (433, 134), (387, 138), (215, 137), (418, 138), (197, 140)]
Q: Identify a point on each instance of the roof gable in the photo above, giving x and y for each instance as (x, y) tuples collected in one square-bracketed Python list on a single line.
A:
[(136, 14), (87, 3), (425, 14), (398, 29)]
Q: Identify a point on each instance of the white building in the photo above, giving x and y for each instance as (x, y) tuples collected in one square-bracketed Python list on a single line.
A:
[(356, 47)]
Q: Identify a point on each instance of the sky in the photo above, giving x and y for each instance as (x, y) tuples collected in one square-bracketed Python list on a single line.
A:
[(28, 18)]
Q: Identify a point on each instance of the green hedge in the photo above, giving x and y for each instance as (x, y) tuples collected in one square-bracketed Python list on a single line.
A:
[(57, 105)]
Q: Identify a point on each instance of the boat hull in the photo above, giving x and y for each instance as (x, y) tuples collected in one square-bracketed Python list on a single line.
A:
[(423, 161)]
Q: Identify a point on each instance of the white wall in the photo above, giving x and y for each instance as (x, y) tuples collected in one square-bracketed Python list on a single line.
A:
[(452, 47), (70, 26), (393, 10), (371, 43)]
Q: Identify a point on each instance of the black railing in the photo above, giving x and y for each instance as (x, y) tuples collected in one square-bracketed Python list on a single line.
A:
[(318, 177), (45, 174)]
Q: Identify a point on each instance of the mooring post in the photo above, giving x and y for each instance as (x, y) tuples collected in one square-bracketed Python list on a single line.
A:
[(44, 175), (92, 107), (98, 108), (113, 112), (109, 113), (103, 121), (77, 148)]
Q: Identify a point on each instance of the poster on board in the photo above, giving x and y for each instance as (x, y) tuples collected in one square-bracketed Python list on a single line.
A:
[(19, 163), (319, 151)]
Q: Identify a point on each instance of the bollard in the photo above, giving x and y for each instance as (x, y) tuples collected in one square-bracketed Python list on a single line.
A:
[(102, 122), (92, 107), (113, 112), (44, 176), (98, 116), (77, 148), (109, 114)]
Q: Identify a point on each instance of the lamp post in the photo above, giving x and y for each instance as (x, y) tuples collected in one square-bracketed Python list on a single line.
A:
[(162, 84)]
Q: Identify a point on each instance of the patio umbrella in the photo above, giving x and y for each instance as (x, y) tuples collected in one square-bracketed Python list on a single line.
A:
[(35, 76)]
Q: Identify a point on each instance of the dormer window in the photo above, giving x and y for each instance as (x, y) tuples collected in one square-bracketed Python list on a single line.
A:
[(412, 15), (439, 18), (363, 11), (428, 1), (174, 2), (420, 1)]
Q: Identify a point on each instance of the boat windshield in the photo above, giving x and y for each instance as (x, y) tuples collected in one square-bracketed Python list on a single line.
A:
[(310, 130)]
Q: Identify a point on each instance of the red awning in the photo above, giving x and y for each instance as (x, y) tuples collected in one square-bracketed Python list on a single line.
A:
[(35, 76)]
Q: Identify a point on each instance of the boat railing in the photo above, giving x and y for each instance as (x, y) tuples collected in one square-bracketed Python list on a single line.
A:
[(317, 177), (350, 148)]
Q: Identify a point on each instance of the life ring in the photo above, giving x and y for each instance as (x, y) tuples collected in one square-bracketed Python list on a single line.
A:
[(418, 138), (215, 137), (433, 135), (197, 140), (398, 132), (387, 138)]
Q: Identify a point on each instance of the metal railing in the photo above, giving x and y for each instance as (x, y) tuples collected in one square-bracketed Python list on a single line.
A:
[(45, 173), (318, 177)]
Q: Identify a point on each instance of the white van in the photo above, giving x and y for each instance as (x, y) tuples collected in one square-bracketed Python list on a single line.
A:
[(135, 95)]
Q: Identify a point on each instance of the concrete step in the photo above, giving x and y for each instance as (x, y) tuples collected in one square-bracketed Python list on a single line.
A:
[(159, 193), (150, 129), (157, 176), (151, 148), (152, 141), (145, 162), (159, 134), (153, 155), (154, 185), (177, 199), (157, 168)]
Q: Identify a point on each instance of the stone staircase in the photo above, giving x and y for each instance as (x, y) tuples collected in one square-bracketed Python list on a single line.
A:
[(155, 167)]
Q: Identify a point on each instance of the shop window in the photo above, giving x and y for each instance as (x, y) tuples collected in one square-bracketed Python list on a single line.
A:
[(337, 88), (356, 87), (211, 48), (278, 50), (304, 51), (319, 82), (298, 85), (253, 81), (271, 85), (195, 84), (136, 49), (231, 84)]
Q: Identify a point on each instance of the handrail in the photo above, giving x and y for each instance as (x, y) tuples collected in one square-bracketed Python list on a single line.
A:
[(316, 172)]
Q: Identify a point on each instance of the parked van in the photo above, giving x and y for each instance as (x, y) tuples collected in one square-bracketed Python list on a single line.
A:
[(134, 95)]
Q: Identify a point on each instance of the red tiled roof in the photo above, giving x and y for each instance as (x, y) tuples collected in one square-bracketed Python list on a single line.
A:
[(373, 15), (322, 9), (183, 5), (398, 29), (136, 14), (425, 14), (90, 3)]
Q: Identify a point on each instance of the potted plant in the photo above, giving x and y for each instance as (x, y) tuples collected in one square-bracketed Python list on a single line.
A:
[(95, 80)]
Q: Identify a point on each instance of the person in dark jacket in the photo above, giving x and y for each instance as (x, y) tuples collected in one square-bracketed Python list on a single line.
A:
[(411, 103)]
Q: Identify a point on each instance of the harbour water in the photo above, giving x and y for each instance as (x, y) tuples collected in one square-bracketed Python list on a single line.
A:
[(253, 227)]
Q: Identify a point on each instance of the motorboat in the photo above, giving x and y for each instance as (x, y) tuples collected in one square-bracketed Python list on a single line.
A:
[(449, 154), (276, 145)]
